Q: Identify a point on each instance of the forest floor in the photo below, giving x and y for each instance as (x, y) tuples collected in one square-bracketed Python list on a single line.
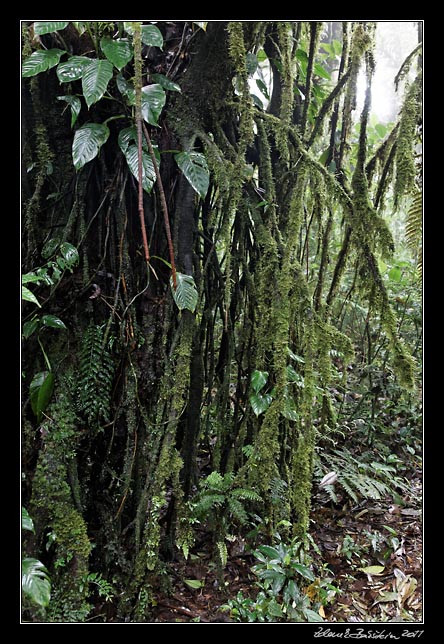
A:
[(380, 537)]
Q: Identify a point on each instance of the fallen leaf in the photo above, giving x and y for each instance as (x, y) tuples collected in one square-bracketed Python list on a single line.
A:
[(386, 597), (373, 570), (194, 583), (411, 512)]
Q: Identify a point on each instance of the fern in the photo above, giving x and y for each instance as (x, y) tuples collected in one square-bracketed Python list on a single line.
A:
[(96, 377), (361, 480), (413, 229)]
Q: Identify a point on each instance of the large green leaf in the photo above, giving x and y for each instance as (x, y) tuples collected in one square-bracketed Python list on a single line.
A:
[(148, 172), (88, 140), (118, 52), (258, 380), (185, 295), (27, 522), (75, 105), (70, 255), (151, 36), (53, 321), (269, 551), (72, 69), (29, 327), (42, 28), (194, 166), (95, 79), (35, 581), (165, 82), (126, 89), (41, 61), (153, 100), (29, 296), (260, 403), (40, 391), (304, 571)]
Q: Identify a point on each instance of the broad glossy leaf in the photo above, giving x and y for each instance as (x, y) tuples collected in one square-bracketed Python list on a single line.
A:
[(270, 552), (152, 36), (72, 69), (165, 82), (53, 321), (40, 391), (95, 79), (126, 89), (41, 28), (201, 23), (88, 140), (304, 571), (153, 100), (260, 403), (258, 380), (194, 166), (70, 254), (75, 105), (148, 172), (126, 136), (118, 52), (30, 277), (41, 61), (185, 295), (27, 522), (35, 581), (29, 296), (29, 327)]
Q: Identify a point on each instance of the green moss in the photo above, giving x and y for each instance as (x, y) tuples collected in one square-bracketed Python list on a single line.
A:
[(405, 161)]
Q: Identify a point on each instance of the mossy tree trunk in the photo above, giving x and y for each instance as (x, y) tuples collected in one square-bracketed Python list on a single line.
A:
[(164, 397)]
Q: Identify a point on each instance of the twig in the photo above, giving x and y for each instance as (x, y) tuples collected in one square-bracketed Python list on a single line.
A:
[(163, 203), (138, 88)]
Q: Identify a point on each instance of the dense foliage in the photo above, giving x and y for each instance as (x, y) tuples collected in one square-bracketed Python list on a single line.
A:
[(214, 303)]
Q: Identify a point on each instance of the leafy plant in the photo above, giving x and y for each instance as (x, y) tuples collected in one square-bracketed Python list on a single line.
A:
[(96, 374), (95, 75), (221, 503), (36, 584), (359, 479), (283, 571), (103, 587)]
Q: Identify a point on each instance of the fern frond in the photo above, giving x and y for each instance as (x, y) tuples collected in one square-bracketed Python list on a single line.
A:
[(413, 230), (208, 502), (237, 511), (222, 553), (96, 373), (246, 494)]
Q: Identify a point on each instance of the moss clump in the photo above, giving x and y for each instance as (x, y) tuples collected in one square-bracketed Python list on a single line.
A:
[(405, 162)]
